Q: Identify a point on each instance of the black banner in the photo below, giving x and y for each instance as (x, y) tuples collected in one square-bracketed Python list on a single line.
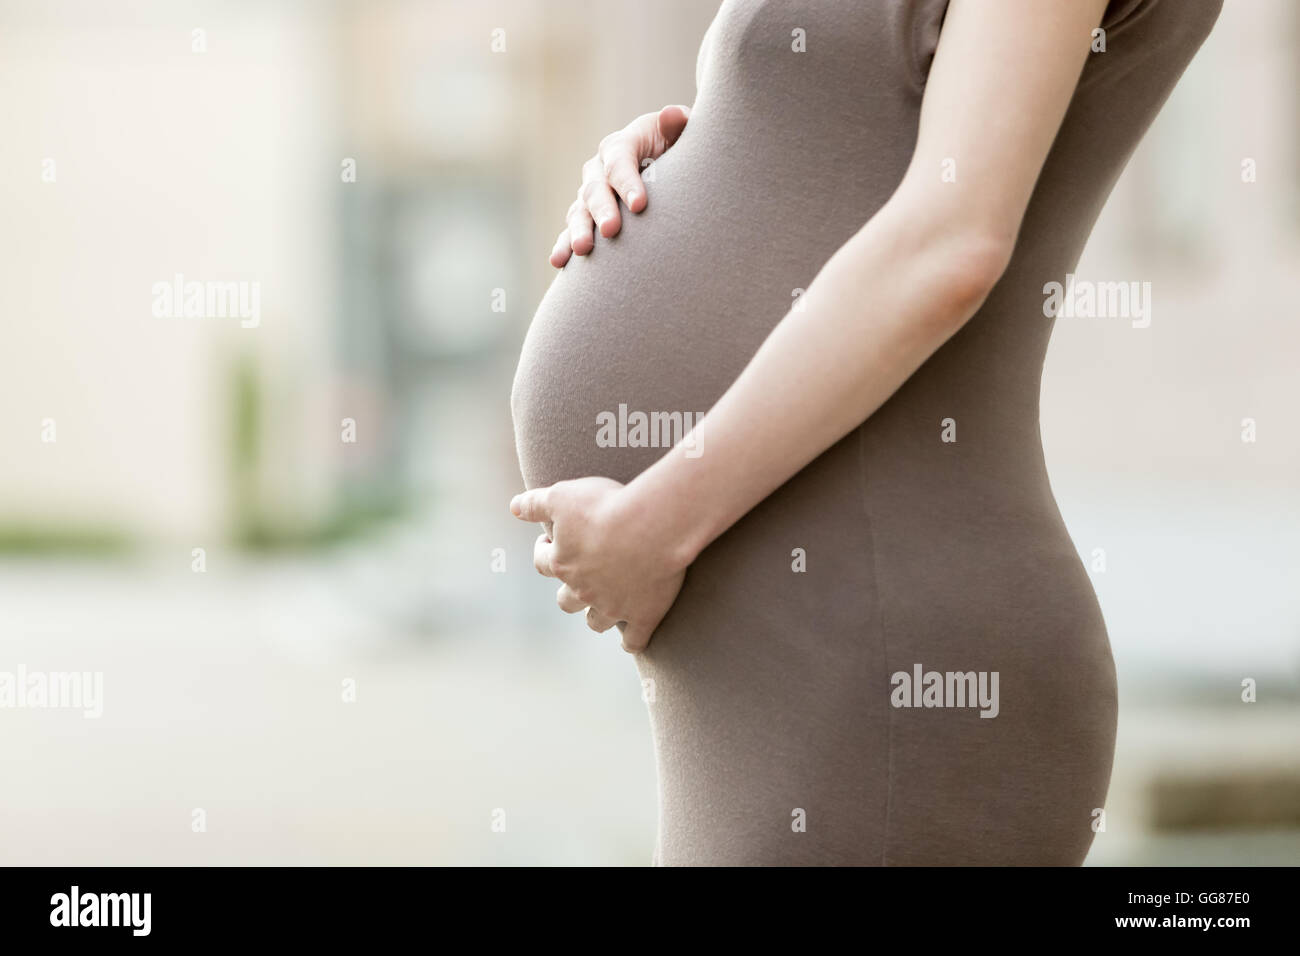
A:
[(1170, 906)]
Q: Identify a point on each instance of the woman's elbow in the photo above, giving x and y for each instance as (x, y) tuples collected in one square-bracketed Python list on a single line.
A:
[(960, 253), (970, 265)]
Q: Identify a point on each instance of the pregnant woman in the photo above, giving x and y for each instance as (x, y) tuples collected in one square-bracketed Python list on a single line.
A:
[(864, 633)]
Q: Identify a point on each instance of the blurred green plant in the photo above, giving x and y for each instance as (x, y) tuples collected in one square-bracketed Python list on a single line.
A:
[(361, 507), (43, 541)]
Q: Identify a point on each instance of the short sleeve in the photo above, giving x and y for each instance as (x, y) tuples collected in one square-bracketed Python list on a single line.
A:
[(925, 23)]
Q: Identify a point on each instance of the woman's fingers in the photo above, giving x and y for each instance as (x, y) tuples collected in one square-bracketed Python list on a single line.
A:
[(646, 137), (544, 555), (620, 157), (534, 505), (580, 226), (562, 251), (636, 637), (669, 125), (569, 602), (599, 198), (614, 173), (599, 622)]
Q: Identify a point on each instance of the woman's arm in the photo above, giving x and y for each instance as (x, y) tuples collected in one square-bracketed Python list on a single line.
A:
[(999, 85)]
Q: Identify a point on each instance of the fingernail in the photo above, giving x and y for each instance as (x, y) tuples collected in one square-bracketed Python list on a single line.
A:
[(514, 505), (631, 197)]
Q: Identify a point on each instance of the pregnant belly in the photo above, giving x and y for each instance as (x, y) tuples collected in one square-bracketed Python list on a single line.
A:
[(610, 376), (635, 341)]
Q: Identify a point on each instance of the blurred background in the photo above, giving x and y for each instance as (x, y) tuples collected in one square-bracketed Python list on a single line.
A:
[(287, 547)]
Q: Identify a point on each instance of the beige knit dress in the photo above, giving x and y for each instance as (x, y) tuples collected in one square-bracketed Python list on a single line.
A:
[(926, 542)]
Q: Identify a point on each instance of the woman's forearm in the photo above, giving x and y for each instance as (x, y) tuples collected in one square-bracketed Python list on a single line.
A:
[(877, 310)]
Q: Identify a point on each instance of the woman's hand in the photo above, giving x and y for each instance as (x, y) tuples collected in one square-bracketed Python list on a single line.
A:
[(616, 168), (608, 553)]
